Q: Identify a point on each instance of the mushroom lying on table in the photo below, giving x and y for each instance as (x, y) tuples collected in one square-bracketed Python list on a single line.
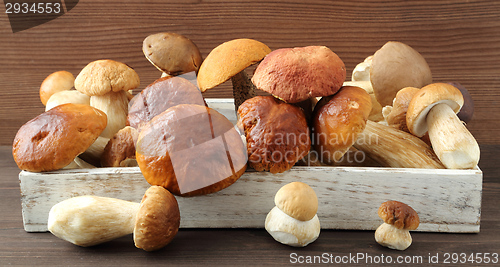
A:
[(91, 220), (53, 139), (433, 109), (399, 219), (293, 221)]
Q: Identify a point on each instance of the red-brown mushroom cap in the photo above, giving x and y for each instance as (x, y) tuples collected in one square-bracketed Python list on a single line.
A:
[(399, 215), (295, 74)]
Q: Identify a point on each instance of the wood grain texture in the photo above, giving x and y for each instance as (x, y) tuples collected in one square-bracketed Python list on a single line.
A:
[(459, 39)]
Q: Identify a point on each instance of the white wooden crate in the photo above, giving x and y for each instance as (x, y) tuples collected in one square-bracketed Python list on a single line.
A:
[(349, 197)]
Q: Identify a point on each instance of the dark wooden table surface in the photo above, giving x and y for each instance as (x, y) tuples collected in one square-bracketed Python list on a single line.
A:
[(460, 39), (238, 246)]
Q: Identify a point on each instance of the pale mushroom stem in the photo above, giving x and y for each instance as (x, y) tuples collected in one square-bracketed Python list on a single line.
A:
[(394, 148), (243, 88), (452, 142)]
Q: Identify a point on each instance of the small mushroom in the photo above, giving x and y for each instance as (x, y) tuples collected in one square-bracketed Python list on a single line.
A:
[(173, 54), (54, 138), (107, 83), (399, 219), (395, 115), (433, 109), (277, 134), (229, 61), (56, 82), (296, 74), (120, 150), (190, 150), (159, 96), (395, 66), (293, 221), (67, 96), (91, 220)]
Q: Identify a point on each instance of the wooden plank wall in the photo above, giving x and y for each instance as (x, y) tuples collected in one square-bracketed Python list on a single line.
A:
[(460, 40)]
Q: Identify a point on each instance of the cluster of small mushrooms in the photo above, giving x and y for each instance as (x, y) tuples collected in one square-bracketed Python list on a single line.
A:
[(295, 109)]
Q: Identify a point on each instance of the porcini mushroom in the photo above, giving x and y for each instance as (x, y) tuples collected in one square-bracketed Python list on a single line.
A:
[(68, 96), (54, 138), (229, 61), (277, 134), (293, 221), (395, 66), (399, 219), (120, 150), (159, 96), (171, 53), (395, 115), (466, 112), (91, 220), (107, 83), (296, 74), (56, 82), (190, 150), (433, 109)]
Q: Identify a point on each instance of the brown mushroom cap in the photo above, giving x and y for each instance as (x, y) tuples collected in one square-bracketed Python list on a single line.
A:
[(295, 74), (54, 138), (103, 76), (338, 120), (466, 112), (297, 200), (159, 96), (397, 117), (158, 219), (56, 82), (229, 59), (172, 53), (395, 66), (190, 150), (427, 97), (276, 132), (399, 215), (120, 148)]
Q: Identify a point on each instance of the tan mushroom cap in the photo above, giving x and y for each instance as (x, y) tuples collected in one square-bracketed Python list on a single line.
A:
[(65, 97), (54, 138), (395, 66), (397, 115), (298, 200), (103, 76), (172, 53), (229, 59), (158, 219), (338, 120), (120, 148), (295, 74), (56, 82), (427, 97), (399, 214)]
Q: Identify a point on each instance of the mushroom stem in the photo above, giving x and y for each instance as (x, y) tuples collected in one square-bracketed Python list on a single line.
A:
[(243, 88), (389, 236), (395, 148), (91, 220), (452, 142), (115, 105)]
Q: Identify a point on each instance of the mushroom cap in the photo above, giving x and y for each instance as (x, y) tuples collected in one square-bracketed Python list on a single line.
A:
[(158, 219), (120, 148), (290, 231), (397, 117), (65, 97), (228, 59), (399, 215), (190, 150), (172, 53), (338, 120), (466, 112), (295, 74), (56, 82), (103, 76), (159, 96), (54, 138), (277, 134), (395, 66), (297, 200), (427, 97)]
